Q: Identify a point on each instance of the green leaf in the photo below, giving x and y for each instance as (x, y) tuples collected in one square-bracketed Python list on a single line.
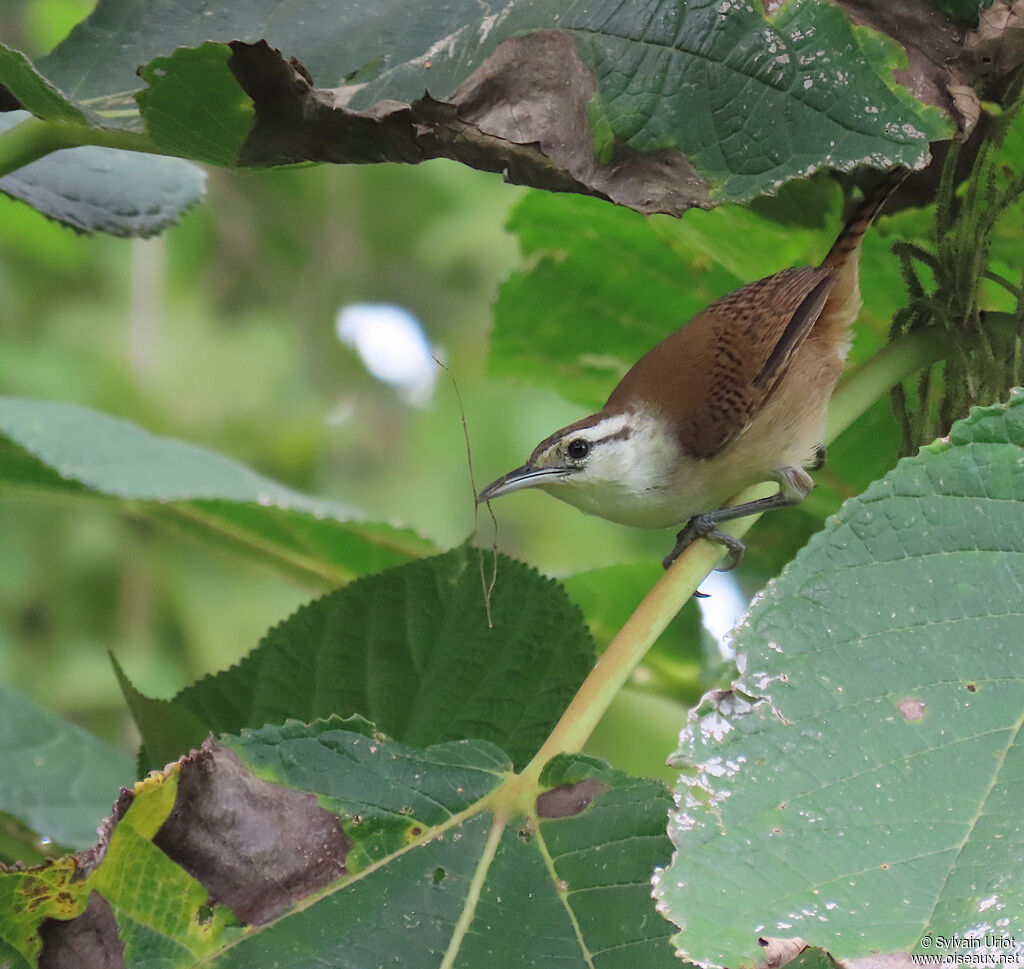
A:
[(54, 777), (771, 90), (168, 729), (33, 91), (654, 104), (94, 189), (410, 649), (191, 84), (601, 289), (332, 845), (860, 786), (89, 188), (14, 959), (79, 451)]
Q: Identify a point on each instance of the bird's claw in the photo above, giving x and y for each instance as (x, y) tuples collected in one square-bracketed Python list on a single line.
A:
[(701, 526)]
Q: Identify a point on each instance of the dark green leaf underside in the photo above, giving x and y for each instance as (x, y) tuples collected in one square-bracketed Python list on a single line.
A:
[(94, 189)]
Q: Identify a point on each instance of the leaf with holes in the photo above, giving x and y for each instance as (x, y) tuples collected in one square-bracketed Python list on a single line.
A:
[(860, 786), (332, 845), (652, 104)]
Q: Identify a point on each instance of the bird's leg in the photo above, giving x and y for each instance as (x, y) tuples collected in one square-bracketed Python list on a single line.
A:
[(794, 485), (703, 526)]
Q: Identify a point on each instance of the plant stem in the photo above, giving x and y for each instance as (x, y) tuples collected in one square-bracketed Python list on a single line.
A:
[(26, 142), (893, 363), (34, 138), (658, 608), (900, 359), (670, 593)]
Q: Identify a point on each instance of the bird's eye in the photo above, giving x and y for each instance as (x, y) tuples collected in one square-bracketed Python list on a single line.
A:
[(578, 449)]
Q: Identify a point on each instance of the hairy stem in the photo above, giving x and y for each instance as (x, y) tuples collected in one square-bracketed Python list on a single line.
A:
[(857, 393)]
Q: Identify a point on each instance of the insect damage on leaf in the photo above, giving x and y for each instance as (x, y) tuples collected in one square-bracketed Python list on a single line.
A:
[(780, 952), (536, 89), (525, 112), (569, 799), (226, 830), (90, 939), (911, 708)]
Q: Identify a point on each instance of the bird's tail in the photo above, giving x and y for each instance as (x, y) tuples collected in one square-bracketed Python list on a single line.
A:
[(862, 217)]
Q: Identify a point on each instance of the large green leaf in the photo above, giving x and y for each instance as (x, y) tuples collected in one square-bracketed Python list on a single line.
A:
[(417, 649), (796, 84), (55, 778), (860, 787), (332, 845), (654, 104), (54, 449)]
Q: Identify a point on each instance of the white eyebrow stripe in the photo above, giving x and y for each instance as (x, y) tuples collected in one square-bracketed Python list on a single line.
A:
[(613, 428)]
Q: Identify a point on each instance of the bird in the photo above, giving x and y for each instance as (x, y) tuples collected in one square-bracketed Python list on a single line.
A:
[(736, 397)]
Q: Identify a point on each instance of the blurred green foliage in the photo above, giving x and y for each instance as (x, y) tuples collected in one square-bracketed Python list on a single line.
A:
[(221, 332)]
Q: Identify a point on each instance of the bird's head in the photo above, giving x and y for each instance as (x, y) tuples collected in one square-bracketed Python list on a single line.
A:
[(601, 464)]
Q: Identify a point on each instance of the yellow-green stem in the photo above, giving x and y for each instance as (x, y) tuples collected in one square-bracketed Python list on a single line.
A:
[(893, 363), (668, 595), (34, 138)]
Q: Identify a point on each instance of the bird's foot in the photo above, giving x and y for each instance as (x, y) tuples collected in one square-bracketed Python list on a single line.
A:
[(704, 526)]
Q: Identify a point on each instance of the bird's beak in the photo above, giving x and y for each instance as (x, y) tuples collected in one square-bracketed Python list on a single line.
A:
[(524, 477)]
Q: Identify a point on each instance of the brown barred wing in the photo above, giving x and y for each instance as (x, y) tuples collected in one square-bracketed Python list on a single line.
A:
[(717, 372)]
